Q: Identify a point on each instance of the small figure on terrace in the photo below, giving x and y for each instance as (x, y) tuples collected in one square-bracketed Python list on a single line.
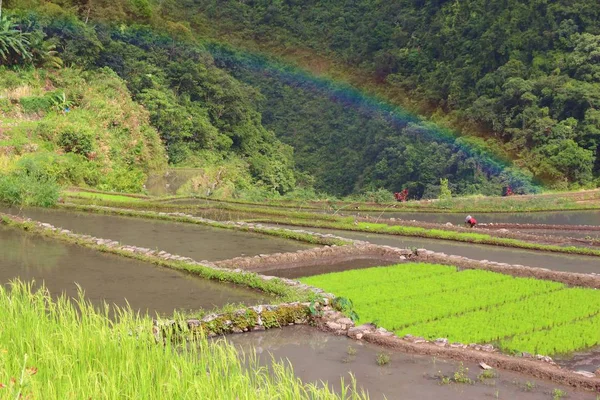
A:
[(470, 221)]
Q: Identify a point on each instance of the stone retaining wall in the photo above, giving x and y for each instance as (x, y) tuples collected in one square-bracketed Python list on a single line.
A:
[(305, 258)]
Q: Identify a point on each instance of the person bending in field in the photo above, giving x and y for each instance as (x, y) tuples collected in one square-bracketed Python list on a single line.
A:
[(470, 221)]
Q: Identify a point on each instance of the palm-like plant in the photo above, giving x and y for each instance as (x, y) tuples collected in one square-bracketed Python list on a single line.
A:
[(14, 44), (43, 52)]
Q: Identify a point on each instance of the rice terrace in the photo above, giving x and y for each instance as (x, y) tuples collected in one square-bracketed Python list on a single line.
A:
[(207, 199)]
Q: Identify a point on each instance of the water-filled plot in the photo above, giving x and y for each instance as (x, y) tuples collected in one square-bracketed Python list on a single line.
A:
[(188, 240), (472, 306), (110, 278)]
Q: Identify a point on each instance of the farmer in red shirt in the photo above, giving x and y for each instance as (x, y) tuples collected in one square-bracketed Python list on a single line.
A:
[(470, 221)]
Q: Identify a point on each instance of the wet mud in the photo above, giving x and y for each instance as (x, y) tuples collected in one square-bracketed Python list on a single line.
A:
[(317, 356), (327, 267)]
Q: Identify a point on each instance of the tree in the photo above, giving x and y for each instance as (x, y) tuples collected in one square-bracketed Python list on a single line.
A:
[(14, 44)]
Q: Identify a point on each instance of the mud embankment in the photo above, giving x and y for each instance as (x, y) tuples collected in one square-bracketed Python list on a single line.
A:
[(505, 231), (316, 256)]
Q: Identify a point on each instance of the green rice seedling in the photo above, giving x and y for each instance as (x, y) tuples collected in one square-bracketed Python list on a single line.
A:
[(558, 394), (60, 349), (486, 374), (471, 306), (383, 359)]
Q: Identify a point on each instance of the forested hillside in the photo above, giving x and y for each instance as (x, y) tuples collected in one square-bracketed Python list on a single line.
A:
[(525, 73), (520, 78)]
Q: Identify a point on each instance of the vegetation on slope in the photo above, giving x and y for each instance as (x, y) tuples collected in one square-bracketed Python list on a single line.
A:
[(205, 117), (71, 127)]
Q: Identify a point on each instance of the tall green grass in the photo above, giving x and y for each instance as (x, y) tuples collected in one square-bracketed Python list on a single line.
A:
[(63, 350)]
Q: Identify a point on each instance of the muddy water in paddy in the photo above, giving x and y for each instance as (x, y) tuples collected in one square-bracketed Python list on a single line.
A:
[(316, 356), (189, 240), (553, 217), (110, 278), (324, 268), (558, 262)]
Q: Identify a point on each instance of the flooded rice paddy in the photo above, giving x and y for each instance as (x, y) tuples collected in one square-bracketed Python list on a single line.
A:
[(553, 217), (184, 239), (111, 278), (317, 357), (327, 267), (558, 262)]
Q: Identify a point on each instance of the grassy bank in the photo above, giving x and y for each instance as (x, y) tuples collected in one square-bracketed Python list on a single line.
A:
[(560, 201), (57, 350), (472, 306)]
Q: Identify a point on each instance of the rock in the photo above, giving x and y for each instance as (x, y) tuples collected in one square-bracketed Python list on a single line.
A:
[(488, 347), (333, 326), (484, 366), (345, 321), (258, 328), (448, 223), (193, 323), (358, 336), (526, 355), (587, 374), (441, 342), (237, 330), (598, 372), (360, 330), (209, 317)]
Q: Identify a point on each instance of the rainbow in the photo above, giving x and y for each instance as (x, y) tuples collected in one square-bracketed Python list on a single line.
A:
[(342, 92)]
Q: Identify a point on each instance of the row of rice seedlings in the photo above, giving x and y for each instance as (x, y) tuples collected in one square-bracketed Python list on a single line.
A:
[(562, 339), (522, 314), (397, 315), (357, 279), (55, 349), (529, 315)]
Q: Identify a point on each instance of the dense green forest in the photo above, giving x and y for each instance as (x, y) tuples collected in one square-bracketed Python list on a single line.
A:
[(526, 73), (523, 76)]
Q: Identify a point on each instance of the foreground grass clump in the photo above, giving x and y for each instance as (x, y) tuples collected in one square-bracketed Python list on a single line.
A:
[(472, 306), (58, 350)]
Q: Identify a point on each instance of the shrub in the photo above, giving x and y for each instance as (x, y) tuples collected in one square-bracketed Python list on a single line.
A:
[(76, 140), (445, 192), (23, 189), (121, 179), (35, 104)]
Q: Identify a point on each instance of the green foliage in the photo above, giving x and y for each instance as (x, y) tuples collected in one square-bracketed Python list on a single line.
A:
[(76, 140), (471, 306), (14, 44), (445, 192), (65, 330), (25, 188), (382, 359), (522, 73)]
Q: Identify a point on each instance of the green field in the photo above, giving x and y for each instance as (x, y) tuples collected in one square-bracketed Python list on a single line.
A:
[(472, 306), (58, 350)]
